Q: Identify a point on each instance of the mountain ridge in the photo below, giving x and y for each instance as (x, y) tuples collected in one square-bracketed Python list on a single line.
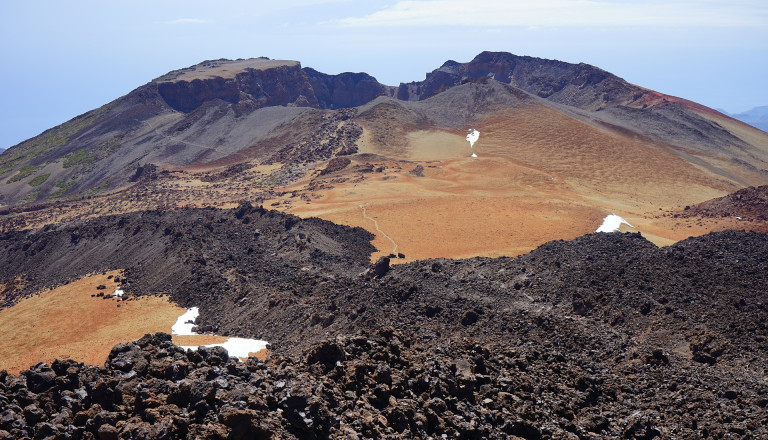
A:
[(207, 111), (756, 117)]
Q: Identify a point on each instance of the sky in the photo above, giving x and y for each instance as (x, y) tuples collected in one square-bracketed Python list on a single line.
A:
[(63, 58)]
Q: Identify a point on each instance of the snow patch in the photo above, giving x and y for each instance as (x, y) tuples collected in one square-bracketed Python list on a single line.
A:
[(611, 223), (472, 137), (185, 322), (236, 347)]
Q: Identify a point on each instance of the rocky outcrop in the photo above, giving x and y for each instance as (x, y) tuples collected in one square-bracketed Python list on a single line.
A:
[(580, 85), (254, 88), (749, 204), (345, 90), (275, 86), (332, 134), (383, 384), (170, 246)]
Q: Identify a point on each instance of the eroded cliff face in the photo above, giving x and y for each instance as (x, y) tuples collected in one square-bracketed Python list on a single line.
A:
[(345, 90), (283, 85), (579, 85), (253, 88)]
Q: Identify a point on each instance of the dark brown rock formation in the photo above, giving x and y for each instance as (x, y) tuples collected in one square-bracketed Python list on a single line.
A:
[(345, 89), (580, 85), (605, 336), (281, 85)]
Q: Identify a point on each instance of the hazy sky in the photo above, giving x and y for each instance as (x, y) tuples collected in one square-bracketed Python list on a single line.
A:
[(63, 58)]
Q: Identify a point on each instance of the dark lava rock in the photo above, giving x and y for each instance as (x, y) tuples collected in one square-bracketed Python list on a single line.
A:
[(40, 378), (749, 203), (604, 336), (380, 267), (470, 317), (335, 164), (389, 384), (107, 432), (327, 354)]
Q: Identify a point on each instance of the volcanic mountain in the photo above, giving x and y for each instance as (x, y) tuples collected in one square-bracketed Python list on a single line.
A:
[(561, 145), (202, 188)]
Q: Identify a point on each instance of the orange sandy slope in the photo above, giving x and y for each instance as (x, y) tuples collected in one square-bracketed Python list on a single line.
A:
[(67, 323), (540, 175)]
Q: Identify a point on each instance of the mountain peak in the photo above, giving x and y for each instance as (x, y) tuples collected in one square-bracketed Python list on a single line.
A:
[(220, 112), (579, 85), (756, 117), (223, 68)]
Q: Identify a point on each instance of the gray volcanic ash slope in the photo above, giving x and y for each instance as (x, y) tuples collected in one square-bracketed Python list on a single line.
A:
[(605, 336)]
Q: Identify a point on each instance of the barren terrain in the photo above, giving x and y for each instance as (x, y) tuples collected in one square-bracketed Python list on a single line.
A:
[(407, 289), (604, 336), (71, 322), (214, 69)]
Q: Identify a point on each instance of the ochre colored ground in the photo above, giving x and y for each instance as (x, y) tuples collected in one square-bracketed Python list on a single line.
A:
[(460, 208), (67, 323), (494, 205), (539, 176)]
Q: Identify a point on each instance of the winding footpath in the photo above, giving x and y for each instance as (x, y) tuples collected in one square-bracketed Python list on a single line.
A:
[(376, 225)]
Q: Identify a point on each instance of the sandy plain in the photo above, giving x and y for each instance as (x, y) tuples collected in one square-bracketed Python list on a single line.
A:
[(539, 176), (69, 323)]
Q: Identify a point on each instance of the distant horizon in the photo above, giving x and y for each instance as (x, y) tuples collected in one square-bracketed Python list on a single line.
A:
[(75, 57)]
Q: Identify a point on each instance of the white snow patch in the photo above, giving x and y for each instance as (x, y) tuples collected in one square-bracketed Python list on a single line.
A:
[(236, 347), (184, 323), (472, 137), (611, 223)]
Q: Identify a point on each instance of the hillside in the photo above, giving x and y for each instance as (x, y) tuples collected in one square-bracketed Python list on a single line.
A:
[(421, 259), (233, 112), (600, 336), (561, 146)]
